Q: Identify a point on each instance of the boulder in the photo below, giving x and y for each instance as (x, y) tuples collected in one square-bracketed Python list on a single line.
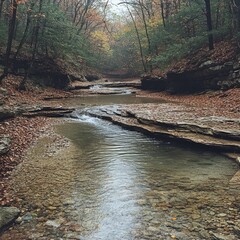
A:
[(5, 143), (208, 76), (92, 77), (7, 216), (153, 83), (6, 113)]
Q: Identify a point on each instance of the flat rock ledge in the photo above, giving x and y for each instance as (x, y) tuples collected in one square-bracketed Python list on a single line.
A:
[(175, 123), (35, 111), (47, 111), (7, 216)]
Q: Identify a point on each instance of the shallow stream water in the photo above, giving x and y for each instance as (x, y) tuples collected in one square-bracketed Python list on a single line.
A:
[(114, 184)]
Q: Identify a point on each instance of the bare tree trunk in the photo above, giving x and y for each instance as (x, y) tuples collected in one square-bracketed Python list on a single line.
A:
[(217, 14), (24, 36), (162, 13), (146, 31), (22, 85), (12, 24), (235, 5), (8, 4), (139, 41), (209, 24), (1, 7)]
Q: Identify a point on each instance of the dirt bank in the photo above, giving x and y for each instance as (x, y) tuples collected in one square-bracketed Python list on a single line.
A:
[(22, 131)]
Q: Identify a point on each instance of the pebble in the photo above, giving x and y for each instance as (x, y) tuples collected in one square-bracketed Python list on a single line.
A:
[(211, 213), (68, 202), (19, 220), (52, 208), (51, 223), (27, 217), (222, 215), (220, 236)]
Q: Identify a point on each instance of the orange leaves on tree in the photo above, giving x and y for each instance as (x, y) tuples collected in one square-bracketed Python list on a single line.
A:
[(21, 1)]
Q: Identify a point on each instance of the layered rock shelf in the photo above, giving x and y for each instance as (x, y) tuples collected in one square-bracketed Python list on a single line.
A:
[(177, 123), (207, 75), (105, 84), (48, 111)]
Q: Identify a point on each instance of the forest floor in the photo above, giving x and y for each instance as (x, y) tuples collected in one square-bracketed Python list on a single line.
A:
[(223, 103), (22, 131), (25, 131)]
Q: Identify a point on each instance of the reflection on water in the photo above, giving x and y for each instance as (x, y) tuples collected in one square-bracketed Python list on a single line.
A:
[(127, 177), (116, 184), (104, 143)]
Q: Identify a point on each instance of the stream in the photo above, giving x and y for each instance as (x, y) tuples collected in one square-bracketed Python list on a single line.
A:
[(110, 184)]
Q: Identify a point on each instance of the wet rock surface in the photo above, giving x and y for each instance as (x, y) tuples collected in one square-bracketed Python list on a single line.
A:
[(176, 122)]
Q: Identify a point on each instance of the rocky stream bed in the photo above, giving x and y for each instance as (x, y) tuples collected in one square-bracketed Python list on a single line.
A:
[(53, 208), (184, 210)]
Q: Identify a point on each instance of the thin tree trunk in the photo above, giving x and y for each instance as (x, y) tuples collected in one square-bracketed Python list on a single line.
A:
[(139, 41), (146, 31), (209, 24), (12, 23), (162, 13), (23, 38), (217, 14), (237, 14), (22, 85), (1, 7)]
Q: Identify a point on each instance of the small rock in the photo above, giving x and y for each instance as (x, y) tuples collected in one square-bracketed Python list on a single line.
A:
[(68, 202), (27, 217), (222, 215), (142, 202), (3, 91), (8, 215), (204, 234), (52, 208), (219, 236), (19, 220), (36, 235), (153, 229), (54, 224), (5, 143), (196, 216)]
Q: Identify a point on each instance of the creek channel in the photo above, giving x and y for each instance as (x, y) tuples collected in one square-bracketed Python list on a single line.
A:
[(110, 183)]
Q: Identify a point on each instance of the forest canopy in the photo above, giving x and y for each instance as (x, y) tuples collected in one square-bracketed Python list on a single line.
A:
[(140, 36)]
